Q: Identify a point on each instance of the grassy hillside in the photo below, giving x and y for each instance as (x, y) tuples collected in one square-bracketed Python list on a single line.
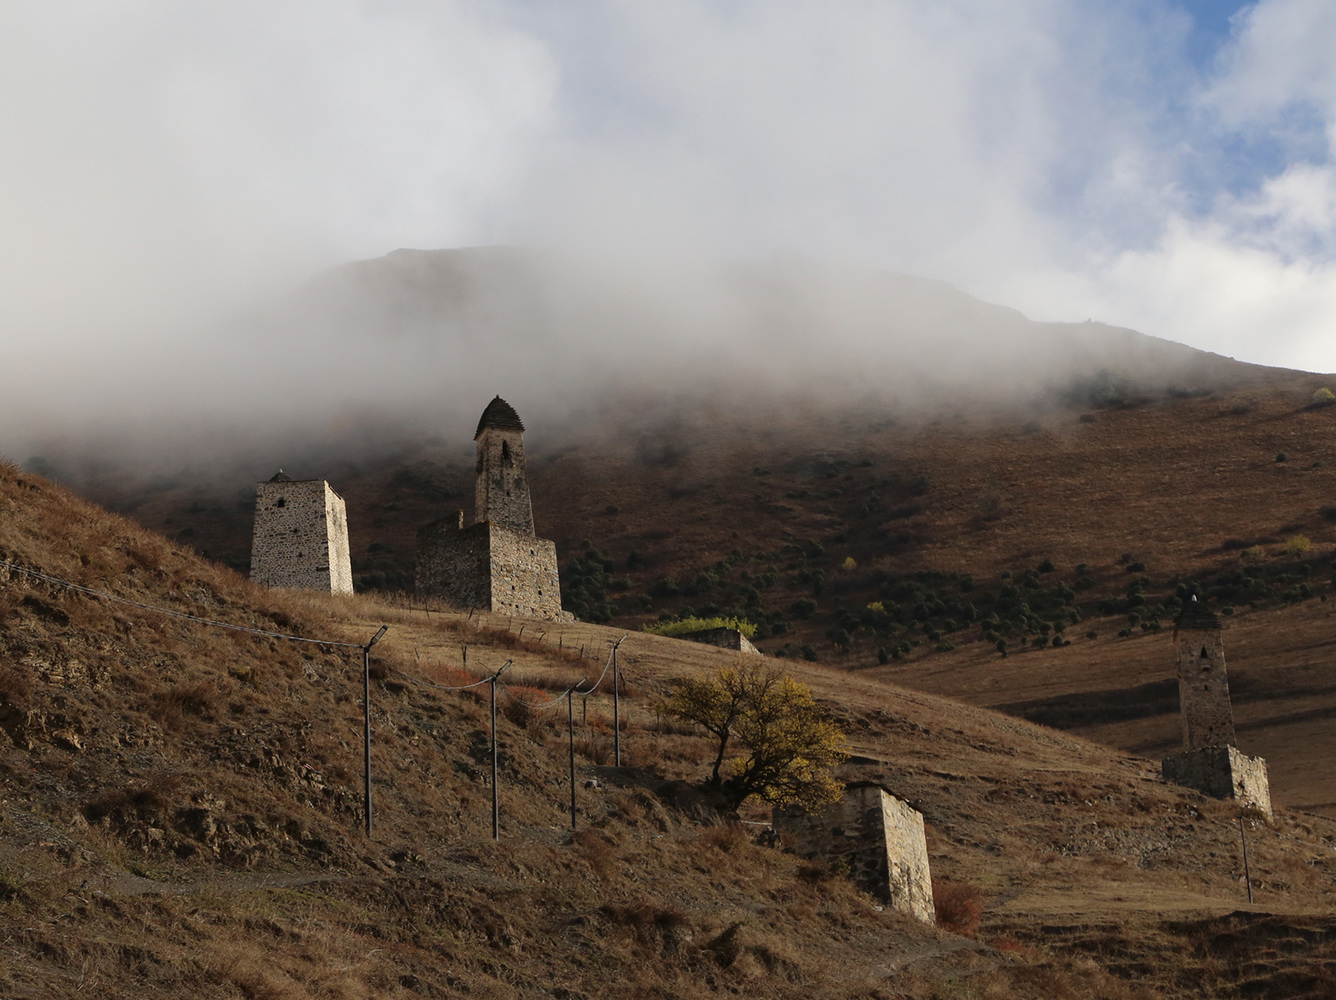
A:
[(181, 815)]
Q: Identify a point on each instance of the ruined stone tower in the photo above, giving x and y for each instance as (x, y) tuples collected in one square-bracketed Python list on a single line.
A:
[(501, 494), (1203, 686), (496, 563), (878, 839), (1210, 762), (300, 539)]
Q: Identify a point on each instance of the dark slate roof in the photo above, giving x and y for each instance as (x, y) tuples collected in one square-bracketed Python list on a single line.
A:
[(280, 477), (1195, 614), (500, 416)]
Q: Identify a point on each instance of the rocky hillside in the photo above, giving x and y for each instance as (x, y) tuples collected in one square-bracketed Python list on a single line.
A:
[(181, 814)]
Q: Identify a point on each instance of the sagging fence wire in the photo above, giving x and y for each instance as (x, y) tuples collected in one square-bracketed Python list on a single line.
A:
[(365, 648), (531, 706)]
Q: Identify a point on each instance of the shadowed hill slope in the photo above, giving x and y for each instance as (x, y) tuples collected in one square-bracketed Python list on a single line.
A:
[(181, 815)]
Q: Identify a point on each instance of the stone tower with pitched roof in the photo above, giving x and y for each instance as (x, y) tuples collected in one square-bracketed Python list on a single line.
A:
[(1210, 762), (501, 494), (300, 539), (496, 563)]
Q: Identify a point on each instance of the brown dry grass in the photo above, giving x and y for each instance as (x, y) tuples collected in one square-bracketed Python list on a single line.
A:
[(259, 882)]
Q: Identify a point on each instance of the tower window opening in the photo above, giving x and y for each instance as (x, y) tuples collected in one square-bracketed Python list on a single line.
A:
[(1204, 654)]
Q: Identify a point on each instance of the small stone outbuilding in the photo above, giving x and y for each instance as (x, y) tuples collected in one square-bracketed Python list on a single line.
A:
[(879, 838), (726, 638)]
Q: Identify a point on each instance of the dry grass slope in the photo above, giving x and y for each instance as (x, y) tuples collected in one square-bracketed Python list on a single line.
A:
[(181, 816)]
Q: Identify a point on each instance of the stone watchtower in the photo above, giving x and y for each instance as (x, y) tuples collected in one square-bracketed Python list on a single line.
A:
[(1203, 687), (1210, 762), (501, 494), (497, 563), (300, 538)]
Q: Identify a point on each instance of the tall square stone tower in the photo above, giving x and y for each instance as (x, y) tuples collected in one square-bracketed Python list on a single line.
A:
[(1210, 762), (497, 563), (300, 538), (1203, 685)]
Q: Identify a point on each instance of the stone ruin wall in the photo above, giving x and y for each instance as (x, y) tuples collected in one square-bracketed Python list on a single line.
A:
[(907, 857), (300, 538), (878, 837), (1203, 690), (1222, 772), (524, 575), (489, 567), (453, 563), (340, 557), (728, 638)]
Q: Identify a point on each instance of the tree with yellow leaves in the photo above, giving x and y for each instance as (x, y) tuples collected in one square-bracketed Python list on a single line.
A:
[(791, 743)]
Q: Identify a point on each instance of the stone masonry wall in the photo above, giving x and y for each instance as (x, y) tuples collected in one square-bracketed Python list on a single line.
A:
[(489, 567), (728, 638), (1222, 772), (300, 538), (340, 558), (1203, 689), (453, 563), (501, 493), (524, 575), (879, 838)]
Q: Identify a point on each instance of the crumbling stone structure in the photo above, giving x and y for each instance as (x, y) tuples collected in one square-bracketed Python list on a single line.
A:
[(497, 563), (727, 638), (1210, 762), (300, 538), (1222, 773), (878, 837)]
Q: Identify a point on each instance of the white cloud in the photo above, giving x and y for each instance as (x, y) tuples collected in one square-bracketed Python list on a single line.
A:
[(1063, 157), (156, 152)]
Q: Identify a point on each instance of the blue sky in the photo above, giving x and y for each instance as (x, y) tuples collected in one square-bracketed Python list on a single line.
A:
[(1161, 165)]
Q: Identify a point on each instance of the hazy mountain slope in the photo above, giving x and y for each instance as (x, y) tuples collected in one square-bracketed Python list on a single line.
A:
[(180, 815)]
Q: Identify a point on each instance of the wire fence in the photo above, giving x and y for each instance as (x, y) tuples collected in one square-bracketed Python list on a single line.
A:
[(364, 647)]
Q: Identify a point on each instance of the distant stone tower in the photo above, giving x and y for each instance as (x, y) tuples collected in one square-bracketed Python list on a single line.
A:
[(1210, 762), (301, 536), (502, 491), (496, 563), (1203, 687)]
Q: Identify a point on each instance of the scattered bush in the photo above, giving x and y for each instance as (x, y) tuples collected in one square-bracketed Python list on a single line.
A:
[(1322, 397), (803, 607), (1281, 456), (684, 626), (521, 705), (1297, 545), (958, 906)]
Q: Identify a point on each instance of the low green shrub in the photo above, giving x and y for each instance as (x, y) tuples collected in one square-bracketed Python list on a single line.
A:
[(682, 626)]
